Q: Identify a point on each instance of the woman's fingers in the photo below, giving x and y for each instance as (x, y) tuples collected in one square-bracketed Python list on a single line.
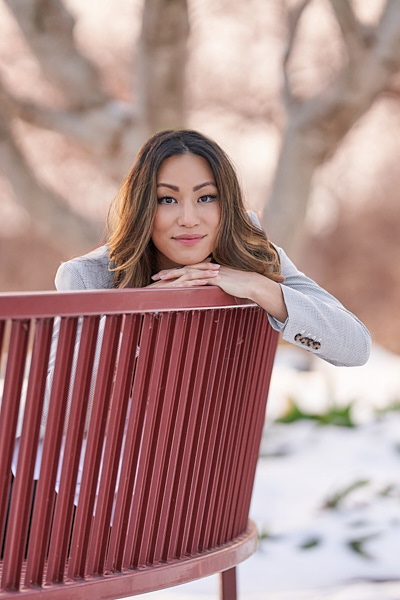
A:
[(179, 283), (190, 283), (200, 270)]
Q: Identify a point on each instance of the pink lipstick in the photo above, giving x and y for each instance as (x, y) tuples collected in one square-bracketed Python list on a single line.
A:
[(189, 240)]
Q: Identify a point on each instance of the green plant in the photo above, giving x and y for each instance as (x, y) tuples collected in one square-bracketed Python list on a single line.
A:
[(334, 415), (336, 498)]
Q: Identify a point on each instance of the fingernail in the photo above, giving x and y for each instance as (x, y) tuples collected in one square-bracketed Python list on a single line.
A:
[(155, 277)]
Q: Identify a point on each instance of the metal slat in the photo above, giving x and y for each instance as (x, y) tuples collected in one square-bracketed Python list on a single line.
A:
[(186, 428), (163, 443), (244, 405), (3, 324), (113, 445), (45, 492), (183, 329), (94, 446), (10, 404), (212, 387), (208, 344), (18, 522), (263, 382), (119, 538), (208, 533), (76, 418), (198, 410), (250, 399), (147, 469), (230, 438)]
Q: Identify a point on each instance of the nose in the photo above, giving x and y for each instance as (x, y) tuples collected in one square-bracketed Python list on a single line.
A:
[(188, 215)]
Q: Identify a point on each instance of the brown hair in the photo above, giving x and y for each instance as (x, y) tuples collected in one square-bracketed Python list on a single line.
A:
[(239, 243)]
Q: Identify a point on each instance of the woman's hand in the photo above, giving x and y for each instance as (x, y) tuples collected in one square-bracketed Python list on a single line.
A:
[(242, 284), (235, 282), (189, 276), (258, 288)]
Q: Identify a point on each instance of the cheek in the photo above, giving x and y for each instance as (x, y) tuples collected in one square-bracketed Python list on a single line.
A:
[(157, 220), (159, 224), (216, 220)]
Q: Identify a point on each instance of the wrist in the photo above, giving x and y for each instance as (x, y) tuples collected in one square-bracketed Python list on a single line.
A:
[(268, 294)]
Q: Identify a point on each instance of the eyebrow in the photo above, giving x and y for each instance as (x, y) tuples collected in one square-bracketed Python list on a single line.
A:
[(196, 187)]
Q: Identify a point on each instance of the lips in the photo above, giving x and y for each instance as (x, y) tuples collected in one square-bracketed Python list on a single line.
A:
[(188, 239)]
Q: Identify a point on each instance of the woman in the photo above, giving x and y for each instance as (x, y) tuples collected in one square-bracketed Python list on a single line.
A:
[(179, 221)]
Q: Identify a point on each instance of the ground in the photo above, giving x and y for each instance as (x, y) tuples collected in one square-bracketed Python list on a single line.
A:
[(326, 497)]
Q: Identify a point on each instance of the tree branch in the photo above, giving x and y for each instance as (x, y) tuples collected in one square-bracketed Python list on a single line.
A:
[(316, 125), (387, 47), (48, 28), (52, 217), (293, 18), (96, 128), (349, 25), (110, 132)]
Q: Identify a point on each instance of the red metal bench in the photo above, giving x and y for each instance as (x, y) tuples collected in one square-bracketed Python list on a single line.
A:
[(176, 410)]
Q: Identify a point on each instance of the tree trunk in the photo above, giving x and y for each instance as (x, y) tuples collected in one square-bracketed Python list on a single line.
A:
[(316, 126), (162, 53), (110, 129)]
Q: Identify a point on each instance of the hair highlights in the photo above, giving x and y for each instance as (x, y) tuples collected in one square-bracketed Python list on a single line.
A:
[(239, 243)]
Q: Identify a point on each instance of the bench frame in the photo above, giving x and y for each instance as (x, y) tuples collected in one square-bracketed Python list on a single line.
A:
[(166, 390)]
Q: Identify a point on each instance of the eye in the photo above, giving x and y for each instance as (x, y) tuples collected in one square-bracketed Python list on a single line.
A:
[(166, 200), (207, 198)]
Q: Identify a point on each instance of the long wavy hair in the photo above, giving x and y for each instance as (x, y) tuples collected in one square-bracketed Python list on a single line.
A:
[(239, 243)]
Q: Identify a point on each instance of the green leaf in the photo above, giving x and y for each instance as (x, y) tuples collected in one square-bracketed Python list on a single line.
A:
[(312, 542), (335, 499), (334, 415), (357, 545)]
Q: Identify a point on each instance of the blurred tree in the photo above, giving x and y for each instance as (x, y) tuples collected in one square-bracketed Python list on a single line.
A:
[(112, 129), (88, 114), (316, 125)]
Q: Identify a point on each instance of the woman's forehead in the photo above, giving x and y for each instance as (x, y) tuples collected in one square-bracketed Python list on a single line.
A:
[(185, 168)]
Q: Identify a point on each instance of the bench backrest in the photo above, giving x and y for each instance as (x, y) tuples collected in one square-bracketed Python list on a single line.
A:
[(154, 410)]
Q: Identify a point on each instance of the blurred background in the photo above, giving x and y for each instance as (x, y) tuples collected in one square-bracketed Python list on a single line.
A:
[(305, 98)]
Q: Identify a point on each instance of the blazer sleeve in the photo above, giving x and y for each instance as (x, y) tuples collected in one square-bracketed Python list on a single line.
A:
[(318, 322), (69, 277), (88, 272)]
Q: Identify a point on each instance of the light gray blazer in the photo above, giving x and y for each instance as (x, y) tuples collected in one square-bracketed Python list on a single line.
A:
[(317, 321)]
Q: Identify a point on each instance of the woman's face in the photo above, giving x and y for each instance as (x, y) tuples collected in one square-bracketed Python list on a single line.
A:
[(188, 211)]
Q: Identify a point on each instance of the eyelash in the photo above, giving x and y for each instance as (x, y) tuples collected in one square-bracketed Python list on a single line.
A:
[(211, 198)]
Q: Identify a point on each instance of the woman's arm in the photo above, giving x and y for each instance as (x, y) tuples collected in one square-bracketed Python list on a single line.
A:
[(318, 322), (306, 314)]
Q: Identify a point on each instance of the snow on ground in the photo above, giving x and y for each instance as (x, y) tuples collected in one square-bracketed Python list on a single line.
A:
[(326, 498)]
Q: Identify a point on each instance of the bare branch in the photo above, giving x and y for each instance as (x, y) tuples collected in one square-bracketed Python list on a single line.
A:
[(350, 27), (387, 46), (317, 125), (111, 133), (48, 28), (94, 128), (52, 217), (293, 19)]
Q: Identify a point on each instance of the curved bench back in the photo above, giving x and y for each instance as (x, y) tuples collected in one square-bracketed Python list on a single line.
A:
[(138, 416)]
